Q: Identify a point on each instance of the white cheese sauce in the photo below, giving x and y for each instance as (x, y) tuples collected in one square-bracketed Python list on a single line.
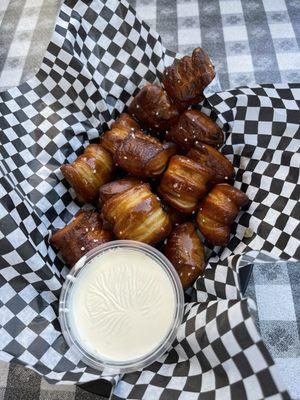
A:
[(122, 305)]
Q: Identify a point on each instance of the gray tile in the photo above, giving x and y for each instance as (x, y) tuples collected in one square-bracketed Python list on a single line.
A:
[(263, 76), (143, 3), (237, 48), (293, 8), (166, 24), (281, 338), (4, 367), (277, 17), (22, 380), (289, 372), (22, 36), (264, 63), (212, 37), (30, 12), (275, 302), (285, 45), (14, 62), (239, 79), (188, 22), (186, 48), (47, 387), (290, 76), (84, 395), (52, 395), (40, 38), (260, 41), (275, 274), (233, 19), (184, 1), (294, 274), (9, 24), (250, 292)]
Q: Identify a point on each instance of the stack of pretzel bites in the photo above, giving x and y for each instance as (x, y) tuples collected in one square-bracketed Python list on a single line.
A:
[(170, 187)]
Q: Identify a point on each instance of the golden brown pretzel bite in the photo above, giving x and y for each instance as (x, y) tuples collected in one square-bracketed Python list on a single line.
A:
[(143, 155), (153, 108), (212, 159), (123, 126), (80, 236), (193, 127), (137, 214), (183, 184), (115, 187), (186, 79), (88, 172), (185, 251), (218, 210)]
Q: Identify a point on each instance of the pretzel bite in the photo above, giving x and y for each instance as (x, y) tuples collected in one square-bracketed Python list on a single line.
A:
[(143, 155), (186, 78), (176, 217), (217, 212), (212, 159), (88, 172), (184, 183), (81, 235), (137, 214), (193, 127), (115, 187), (153, 108), (122, 127), (185, 251)]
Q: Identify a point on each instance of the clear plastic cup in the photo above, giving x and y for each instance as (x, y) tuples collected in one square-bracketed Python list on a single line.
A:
[(114, 367)]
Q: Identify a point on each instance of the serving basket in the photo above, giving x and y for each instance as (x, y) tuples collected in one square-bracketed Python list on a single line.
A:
[(99, 56)]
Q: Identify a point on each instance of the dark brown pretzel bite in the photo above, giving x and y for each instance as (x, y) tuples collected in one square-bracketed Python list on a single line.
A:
[(185, 251), (153, 108), (212, 159), (88, 172), (143, 155), (193, 127), (217, 212), (122, 127), (186, 79), (81, 235)]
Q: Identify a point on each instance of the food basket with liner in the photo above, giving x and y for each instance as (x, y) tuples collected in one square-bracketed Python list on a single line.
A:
[(99, 55)]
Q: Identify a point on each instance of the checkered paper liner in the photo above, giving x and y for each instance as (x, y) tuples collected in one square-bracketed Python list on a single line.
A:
[(99, 55)]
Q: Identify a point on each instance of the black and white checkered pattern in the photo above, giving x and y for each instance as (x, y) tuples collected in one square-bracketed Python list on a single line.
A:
[(263, 143), (98, 57)]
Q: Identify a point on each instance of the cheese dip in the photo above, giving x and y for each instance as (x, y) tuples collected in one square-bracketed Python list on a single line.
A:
[(122, 305)]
